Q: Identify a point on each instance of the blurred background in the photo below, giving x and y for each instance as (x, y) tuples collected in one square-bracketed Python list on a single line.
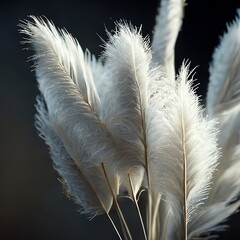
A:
[(32, 205)]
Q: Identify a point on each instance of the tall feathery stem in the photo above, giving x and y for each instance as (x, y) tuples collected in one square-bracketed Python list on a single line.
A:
[(121, 216), (156, 223), (103, 207), (114, 226), (137, 206)]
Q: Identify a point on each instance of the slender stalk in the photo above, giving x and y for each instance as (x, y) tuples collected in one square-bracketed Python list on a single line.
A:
[(122, 226), (137, 207), (121, 217), (91, 186), (156, 222), (114, 226), (149, 204)]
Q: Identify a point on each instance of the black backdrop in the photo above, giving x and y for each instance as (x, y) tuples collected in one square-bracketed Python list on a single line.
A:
[(32, 205)]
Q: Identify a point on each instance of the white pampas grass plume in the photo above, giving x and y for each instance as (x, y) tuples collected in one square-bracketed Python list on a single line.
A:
[(78, 181), (72, 102), (168, 24), (223, 103), (224, 84), (126, 123), (127, 60), (223, 99), (185, 150)]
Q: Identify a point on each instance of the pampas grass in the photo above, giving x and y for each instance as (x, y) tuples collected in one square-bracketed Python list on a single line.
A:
[(126, 124)]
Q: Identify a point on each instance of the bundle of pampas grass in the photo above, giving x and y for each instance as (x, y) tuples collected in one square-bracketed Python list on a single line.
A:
[(127, 123)]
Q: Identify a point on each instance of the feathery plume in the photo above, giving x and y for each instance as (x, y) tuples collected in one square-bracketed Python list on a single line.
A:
[(223, 103), (168, 24), (80, 182), (186, 152), (126, 123)]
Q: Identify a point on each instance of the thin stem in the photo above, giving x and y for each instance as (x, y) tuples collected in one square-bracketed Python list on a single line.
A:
[(156, 223), (114, 226), (149, 213), (122, 226), (101, 203), (137, 207), (121, 217)]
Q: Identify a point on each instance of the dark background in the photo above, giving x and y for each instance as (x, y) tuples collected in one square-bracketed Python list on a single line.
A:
[(32, 205)]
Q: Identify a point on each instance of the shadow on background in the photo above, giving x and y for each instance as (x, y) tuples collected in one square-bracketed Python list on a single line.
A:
[(32, 205)]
